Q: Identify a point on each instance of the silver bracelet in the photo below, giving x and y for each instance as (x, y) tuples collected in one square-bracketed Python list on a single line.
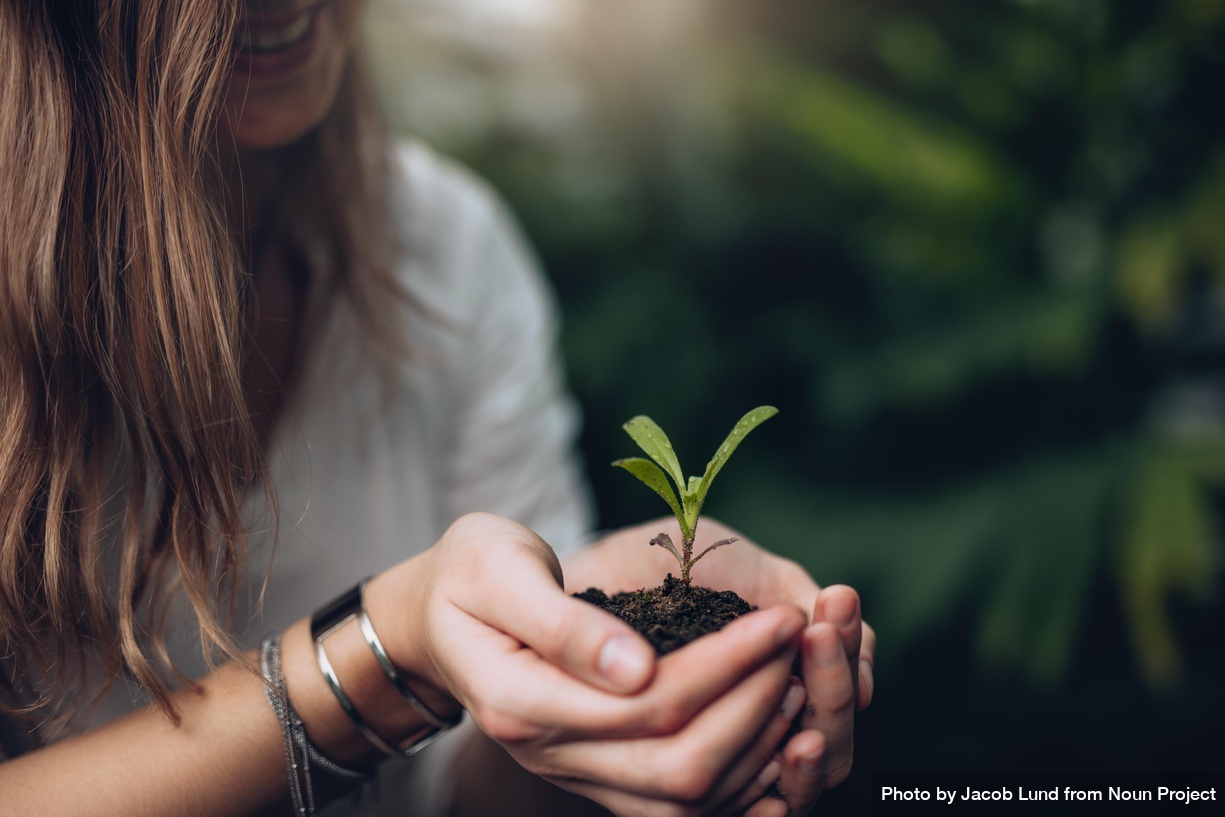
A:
[(301, 755), (333, 616), (389, 669)]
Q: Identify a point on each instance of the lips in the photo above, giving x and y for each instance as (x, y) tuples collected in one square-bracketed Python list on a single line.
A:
[(273, 46)]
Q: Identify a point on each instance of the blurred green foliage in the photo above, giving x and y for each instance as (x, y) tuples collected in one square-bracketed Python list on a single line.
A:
[(973, 250)]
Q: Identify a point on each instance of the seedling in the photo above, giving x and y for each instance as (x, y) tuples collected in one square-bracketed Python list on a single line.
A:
[(692, 493)]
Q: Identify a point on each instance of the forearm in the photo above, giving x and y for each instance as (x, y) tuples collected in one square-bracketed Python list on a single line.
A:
[(226, 756)]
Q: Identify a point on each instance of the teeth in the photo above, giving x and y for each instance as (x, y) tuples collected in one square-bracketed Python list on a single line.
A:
[(267, 39)]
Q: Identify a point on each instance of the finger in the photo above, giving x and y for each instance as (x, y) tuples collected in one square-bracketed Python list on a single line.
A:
[(768, 807), (688, 766), (867, 667), (517, 591), (803, 775), (755, 770), (839, 605), (707, 668), (515, 695), (767, 777), (832, 695)]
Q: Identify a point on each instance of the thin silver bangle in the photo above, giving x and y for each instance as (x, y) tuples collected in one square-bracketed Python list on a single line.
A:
[(389, 669), (297, 762), (325, 666), (285, 711), (302, 758), (333, 616)]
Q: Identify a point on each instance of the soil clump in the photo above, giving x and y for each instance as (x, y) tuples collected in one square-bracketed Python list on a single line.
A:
[(672, 614)]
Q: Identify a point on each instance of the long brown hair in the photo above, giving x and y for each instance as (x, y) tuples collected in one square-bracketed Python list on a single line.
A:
[(125, 434)]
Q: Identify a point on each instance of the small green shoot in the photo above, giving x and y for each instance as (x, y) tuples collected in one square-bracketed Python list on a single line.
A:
[(686, 501)]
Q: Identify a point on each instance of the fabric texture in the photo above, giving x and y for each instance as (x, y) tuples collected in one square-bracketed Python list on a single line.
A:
[(370, 469)]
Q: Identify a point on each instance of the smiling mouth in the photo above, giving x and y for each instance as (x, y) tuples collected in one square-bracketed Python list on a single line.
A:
[(257, 37)]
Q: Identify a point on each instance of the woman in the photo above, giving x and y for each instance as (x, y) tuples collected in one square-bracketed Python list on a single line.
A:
[(234, 316)]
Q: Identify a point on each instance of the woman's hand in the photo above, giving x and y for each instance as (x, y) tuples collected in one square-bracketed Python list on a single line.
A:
[(838, 647), (574, 694)]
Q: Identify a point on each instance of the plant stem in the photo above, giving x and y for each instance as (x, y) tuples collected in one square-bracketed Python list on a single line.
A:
[(686, 557)]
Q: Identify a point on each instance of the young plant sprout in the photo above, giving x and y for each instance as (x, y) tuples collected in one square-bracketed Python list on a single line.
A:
[(692, 493)]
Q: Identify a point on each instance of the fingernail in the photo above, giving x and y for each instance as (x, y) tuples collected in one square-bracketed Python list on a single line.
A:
[(827, 650), (787, 631), (622, 661), (842, 611), (810, 764), (770, 774), (792, 701)]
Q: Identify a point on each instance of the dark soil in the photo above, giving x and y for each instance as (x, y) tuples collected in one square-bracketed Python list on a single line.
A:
[(673, 614)]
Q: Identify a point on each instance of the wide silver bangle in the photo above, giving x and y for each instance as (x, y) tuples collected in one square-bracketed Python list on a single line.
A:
[(334, 615)]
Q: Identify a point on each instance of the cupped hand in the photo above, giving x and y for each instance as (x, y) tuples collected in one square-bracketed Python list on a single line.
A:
[(574, 694), (838, 646)]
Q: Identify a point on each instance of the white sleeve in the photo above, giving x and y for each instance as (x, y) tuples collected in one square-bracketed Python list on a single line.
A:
[(515, 424)]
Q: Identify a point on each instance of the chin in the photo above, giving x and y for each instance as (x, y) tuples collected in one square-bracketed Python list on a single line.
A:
[(266, 118), (263, 129), (279, 95)]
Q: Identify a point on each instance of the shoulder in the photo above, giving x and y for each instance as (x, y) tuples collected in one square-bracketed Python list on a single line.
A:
[(436, 200), (433, 182), (461, 245)]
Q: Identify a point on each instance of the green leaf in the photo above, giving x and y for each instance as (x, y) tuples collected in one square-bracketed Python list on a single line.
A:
[(741, 430), (653, 476), (690, 504), (652, 439)]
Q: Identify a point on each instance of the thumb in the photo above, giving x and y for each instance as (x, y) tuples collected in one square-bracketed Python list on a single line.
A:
[(523, 598)]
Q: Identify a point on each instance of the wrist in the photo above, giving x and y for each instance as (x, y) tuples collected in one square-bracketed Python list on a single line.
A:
[(397, 605), (325, 722), (349, 702)]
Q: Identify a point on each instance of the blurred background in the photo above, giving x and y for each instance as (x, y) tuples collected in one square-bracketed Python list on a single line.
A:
[(973, 250)]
